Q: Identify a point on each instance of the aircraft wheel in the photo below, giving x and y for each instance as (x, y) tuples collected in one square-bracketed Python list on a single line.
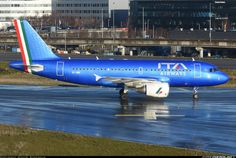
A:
[(121, 92), (195, 96), (124, 96)]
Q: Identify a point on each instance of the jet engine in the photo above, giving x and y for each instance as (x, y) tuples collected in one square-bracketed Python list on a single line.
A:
[(155, 89)]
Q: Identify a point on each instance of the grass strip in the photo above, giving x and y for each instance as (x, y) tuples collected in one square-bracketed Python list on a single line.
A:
[(24, 141)]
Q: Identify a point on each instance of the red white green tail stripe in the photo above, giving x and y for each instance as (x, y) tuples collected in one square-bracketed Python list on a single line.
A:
[(23, 43)]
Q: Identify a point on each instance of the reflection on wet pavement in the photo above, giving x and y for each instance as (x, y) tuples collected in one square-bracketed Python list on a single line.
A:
[(208, 124)]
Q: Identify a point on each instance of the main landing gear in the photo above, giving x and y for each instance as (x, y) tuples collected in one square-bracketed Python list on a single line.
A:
[(124, 93), (195, 95)]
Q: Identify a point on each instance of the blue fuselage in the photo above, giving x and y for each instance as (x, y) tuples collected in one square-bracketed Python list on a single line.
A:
[(177, 73)]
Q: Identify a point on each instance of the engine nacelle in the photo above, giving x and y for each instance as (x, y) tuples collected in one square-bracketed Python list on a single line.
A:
[(155, 89)]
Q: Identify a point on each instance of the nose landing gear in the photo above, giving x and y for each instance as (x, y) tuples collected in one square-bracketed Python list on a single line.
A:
[(195, 93), (123, 93)]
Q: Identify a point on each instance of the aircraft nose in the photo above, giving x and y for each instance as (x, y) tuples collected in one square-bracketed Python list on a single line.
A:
[(224, 77)]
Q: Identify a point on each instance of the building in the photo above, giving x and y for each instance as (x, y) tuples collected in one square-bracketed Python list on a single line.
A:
[(183, 14), (95, 9), (120, 18), (118, 5), (89, 9), (10, 9), (85, 14)]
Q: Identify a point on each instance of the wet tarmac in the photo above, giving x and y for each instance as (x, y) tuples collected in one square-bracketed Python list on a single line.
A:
[(208, 124)]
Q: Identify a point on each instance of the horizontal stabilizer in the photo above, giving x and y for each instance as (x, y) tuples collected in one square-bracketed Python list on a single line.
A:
[(33, 68)]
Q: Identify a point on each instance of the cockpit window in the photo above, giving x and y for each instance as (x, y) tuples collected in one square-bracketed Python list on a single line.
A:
[(213, 69)]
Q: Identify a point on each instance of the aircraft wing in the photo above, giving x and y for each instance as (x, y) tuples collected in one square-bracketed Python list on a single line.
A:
[(155, 87), (134, 82), (130, 82)]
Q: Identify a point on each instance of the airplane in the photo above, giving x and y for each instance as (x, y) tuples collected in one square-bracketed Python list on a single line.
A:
[(151, 77)]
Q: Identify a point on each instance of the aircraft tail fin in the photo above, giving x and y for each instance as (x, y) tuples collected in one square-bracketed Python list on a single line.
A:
[(31, 44)]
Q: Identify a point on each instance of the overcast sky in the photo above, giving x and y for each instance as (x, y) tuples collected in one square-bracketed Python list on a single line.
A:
[(119, 4)]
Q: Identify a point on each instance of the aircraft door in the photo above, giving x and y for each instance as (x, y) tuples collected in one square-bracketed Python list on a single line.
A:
[(140, 70), (197, 70), (60, 68)]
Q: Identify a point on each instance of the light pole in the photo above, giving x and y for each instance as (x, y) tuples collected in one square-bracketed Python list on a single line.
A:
[(153, 31), (108, 23), (113, 24), (65, 41), (199, 26), (147, 30), (113, 19), (210, 23), (102, 23), (102, 26), (143, 24)]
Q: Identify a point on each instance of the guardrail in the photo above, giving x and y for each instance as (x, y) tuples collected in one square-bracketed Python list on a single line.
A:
[(130, 42)]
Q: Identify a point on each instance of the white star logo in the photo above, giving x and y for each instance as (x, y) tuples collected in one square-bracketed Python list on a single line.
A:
[(97, 77)]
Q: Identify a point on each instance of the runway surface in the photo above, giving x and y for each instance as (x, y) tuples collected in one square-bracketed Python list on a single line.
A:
[(209, 124)]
